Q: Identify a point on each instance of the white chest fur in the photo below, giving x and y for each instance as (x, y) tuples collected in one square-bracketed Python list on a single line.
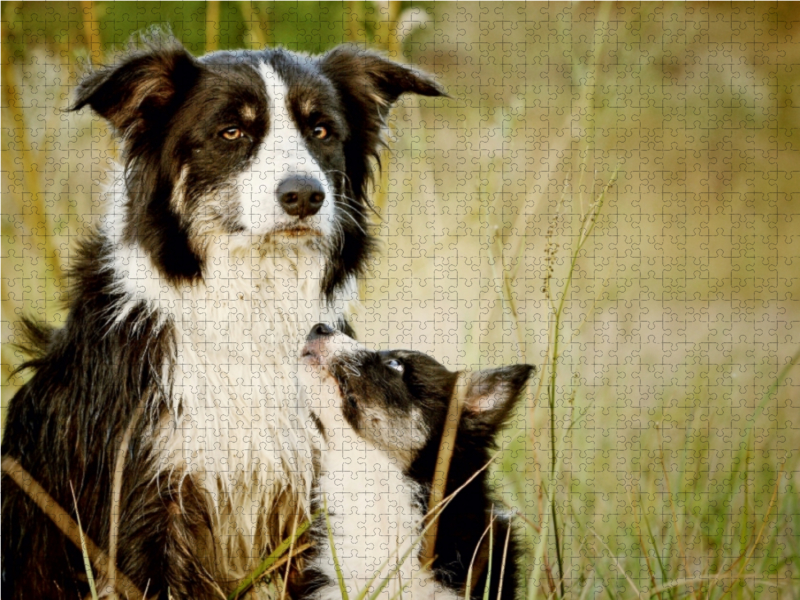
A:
[(375, 524), (236, 424)]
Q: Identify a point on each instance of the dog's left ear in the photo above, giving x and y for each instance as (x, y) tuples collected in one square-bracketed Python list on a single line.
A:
[(491, 394), (368, 84), (372, 80)]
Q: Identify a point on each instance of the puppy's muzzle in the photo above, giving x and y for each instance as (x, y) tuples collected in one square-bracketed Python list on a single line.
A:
[(315, 351)]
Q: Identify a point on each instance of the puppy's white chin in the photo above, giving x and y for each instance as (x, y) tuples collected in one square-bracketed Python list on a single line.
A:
[(312, 363)]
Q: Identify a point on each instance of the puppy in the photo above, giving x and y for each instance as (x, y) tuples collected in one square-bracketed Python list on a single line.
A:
[(239, 221), (382, 416)]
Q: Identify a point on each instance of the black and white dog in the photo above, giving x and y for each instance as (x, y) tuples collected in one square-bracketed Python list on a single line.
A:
[(240, 222), (382, 415)]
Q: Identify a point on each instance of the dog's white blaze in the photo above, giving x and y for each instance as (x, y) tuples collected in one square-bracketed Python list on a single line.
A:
[(371, 510), (235, 423), (282, 154)]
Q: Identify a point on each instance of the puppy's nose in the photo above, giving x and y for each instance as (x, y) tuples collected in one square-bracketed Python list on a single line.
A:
[(300, 196), (320, 330)]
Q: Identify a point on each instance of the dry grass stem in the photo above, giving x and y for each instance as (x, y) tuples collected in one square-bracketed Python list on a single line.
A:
[(446, 448), (66, 524), (116, 491)]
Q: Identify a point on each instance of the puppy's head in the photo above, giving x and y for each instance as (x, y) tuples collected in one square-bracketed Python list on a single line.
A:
[(261, 147), (398, 399)]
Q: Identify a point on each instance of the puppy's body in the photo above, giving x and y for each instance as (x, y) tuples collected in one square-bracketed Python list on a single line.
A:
[(374, 515), (239, 222), (383, 417)]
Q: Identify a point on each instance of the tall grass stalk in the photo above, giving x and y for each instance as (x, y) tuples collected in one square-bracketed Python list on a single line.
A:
[(678, 537), (549, 374), (336, 564), (671, 566), (622, 571), (116, 491), (87, 564), (638, 517), (487, 588), (505, 557), (587, 225), (471, 570), (443, 459), (541, 547)]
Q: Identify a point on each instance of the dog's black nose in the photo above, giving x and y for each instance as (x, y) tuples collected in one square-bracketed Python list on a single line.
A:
[(300, 196), (319, 330)]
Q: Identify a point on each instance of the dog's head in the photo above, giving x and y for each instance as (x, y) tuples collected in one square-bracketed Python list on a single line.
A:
[(262, 147), (398, 400)]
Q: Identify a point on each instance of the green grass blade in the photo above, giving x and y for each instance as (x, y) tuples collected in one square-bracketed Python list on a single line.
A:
[(488, 585), (468, 586), (400, 591), (385, 581), (270, 560), (87, 564), (664, 574), (505, 557), (337, 566)]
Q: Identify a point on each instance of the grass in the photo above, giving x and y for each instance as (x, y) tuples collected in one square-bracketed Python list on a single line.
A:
[(281, 555), (687, 555)]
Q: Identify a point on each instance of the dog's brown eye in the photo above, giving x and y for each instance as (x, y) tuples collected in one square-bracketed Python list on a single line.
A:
[(321, 133), (232, 133)]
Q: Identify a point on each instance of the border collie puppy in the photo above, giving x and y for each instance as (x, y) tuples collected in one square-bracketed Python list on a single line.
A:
[(239, 221), (382, 416)]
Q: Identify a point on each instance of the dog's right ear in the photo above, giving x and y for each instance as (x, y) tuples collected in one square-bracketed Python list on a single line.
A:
[(142, 88)]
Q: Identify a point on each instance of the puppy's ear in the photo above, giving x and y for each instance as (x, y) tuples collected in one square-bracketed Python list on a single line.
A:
[(144, 87), (491, 394)]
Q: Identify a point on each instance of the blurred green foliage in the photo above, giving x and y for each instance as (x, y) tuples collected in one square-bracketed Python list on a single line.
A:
[(301, 26)]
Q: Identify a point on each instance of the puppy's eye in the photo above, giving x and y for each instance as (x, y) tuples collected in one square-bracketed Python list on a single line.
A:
[(231, 133), (321, 132), (395, 365)]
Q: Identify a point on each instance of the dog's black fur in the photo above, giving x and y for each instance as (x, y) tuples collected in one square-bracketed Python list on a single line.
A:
[(119, 351)]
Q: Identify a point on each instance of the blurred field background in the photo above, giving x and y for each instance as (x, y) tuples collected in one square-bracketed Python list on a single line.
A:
[(659, 455)]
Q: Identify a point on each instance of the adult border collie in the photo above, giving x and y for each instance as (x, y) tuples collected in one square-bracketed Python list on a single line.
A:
[(383, 417), (240, 222)]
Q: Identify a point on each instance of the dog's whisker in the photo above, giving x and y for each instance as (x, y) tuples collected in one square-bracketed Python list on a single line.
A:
[(353, 220)]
